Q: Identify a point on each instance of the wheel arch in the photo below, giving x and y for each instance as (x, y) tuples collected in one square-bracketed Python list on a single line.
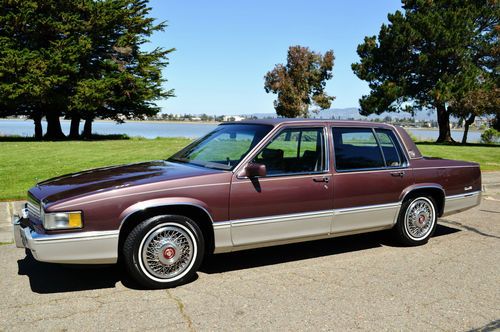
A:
[(436, 191), (195, 211)]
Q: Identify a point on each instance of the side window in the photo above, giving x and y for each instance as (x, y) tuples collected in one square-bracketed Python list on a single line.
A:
[(294, 150), (231, 145), (356, 148), (390, 146)]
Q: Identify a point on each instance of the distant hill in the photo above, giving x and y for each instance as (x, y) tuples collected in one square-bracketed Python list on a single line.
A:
[(353, 113)]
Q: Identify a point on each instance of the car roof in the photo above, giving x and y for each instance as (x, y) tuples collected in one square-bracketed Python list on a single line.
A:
[(282, 121)]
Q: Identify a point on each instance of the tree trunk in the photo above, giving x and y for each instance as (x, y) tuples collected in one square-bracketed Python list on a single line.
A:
[(54, 130), (496, 122), (74, 131), (87, 129), (37, 119), (467, 123), (443, 118)]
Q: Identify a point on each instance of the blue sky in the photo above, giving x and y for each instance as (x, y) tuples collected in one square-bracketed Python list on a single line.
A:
[(224, 48)]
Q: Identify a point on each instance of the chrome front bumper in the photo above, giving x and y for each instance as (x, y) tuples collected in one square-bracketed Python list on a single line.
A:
[(70, 248)]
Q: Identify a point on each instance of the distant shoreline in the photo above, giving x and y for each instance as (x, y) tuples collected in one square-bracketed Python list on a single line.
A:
[(135, 121), (216, 123)]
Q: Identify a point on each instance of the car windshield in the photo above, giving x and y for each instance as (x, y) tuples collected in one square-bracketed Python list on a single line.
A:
[(224, 147)]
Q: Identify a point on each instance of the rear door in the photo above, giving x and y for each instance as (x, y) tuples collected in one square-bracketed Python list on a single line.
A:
[(371, 171), (295, 199)]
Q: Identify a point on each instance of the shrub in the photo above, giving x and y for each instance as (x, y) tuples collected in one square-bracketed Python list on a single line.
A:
[(490, 136)]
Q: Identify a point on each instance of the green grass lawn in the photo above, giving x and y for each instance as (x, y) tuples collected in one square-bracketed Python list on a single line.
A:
[(22, 162), (487, 156)]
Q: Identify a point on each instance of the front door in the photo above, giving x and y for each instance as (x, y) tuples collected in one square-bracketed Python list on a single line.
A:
[(294, 200)]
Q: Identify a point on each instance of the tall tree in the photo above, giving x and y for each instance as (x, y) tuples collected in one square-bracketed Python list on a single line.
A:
[(37, 54), (301, 82), (118, 80), (426, 55), (80, 59)]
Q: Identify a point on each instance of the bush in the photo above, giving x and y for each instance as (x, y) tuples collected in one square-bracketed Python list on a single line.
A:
[(490, 136)]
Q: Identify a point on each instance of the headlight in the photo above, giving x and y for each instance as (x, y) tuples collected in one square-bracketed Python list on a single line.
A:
[(62, 220)]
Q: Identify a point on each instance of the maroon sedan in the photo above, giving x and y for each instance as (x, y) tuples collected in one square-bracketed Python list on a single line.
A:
[(245, 185)]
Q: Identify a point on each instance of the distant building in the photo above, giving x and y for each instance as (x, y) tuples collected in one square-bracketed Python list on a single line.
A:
[(232, 118)]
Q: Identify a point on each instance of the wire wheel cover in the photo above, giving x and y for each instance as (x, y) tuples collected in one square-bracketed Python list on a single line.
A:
[(419, 218), (167, 251)]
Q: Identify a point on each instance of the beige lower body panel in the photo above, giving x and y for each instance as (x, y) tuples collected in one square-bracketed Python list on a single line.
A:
[(77, 248), (284, 229), (458, 203), (371, 217)]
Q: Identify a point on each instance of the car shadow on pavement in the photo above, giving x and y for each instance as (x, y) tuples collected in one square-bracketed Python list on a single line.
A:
[(46, 278), (305, 250)]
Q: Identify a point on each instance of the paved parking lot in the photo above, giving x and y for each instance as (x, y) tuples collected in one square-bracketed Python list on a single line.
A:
[(357, 282)]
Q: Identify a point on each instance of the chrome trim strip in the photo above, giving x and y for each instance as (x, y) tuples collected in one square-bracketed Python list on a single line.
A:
[(284, 177), (422, 187), (45, 238), (144, 205), (443, 167), (460, 196), (374, 170), (143, 193), (281, 218), (367, 208)]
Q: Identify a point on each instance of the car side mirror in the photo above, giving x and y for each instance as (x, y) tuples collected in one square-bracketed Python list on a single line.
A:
[(253, 170)]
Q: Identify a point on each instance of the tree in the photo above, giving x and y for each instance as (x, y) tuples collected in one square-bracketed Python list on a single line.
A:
[(301, 82), (124, 81), (475, 103), (80, 59), (37, 55), (427, 55)]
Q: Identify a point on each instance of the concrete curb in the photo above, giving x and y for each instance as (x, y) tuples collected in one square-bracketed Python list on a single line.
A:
[(7, 210)]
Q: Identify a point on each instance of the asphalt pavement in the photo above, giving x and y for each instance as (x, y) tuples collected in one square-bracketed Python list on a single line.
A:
[(362, 282)]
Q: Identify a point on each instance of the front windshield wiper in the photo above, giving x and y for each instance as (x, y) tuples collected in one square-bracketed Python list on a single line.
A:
[(207, 165), (217, 166), (181, 160)]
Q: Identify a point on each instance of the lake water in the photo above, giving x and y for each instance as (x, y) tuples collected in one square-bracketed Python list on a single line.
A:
[(191, 130)]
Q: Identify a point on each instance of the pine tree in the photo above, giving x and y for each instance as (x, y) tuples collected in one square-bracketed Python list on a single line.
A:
[(430, 55)]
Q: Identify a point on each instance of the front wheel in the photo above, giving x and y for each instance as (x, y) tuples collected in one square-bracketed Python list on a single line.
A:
[(417, 221), (164, 251)]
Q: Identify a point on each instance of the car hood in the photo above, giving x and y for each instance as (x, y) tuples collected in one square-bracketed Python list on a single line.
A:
[(110, 178)]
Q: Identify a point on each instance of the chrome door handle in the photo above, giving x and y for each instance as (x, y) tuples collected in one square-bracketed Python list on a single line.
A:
[(322, 179), (400, 174)]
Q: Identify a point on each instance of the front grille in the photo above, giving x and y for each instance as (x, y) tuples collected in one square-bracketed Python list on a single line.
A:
[(33, 208)]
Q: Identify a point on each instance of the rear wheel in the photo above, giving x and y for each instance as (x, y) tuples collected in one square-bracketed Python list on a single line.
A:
[(417, 221), (164, 251)]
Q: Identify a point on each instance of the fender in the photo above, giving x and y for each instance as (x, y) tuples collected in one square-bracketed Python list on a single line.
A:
[(417, 186), (159, 202)]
